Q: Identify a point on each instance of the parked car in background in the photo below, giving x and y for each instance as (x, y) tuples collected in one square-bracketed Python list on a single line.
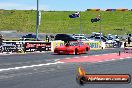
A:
[(65, 37), (72, 47), (96, 34), (113, 37), (29, 36), (80, 37), (103, 39), (97, 38)]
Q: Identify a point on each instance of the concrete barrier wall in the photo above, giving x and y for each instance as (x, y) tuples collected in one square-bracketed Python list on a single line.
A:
[(56, 43), (94, 45), (52, 43), (128, 49)]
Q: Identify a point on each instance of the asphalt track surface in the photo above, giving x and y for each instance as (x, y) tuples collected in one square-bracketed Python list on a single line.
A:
[(38, 58), (58, 75)]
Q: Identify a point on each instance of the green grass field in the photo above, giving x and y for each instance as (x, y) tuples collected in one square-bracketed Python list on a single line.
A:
[(58, 21)]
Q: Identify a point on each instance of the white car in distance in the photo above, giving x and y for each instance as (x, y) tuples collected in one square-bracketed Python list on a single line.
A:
[(80, 37)]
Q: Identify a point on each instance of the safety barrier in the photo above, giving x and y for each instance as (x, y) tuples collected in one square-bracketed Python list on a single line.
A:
[(37, 46), (94, 45), (113, 45), (29, 46), (116, 9), (11, 46), (93, 9), (101, 45), (56, 43), (128, 50)]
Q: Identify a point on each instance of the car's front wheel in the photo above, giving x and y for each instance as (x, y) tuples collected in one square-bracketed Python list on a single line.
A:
[(87, 49)]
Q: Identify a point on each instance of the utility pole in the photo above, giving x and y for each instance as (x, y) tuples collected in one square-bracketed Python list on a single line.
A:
[(37, 20)]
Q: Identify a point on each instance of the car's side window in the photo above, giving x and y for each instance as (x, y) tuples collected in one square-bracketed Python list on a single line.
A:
[(81, 43)]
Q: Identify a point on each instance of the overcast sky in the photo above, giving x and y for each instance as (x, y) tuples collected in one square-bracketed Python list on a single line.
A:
[(60, 5)]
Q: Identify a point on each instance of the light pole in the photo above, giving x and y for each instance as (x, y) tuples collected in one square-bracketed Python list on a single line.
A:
[(80, 24), (100, 26), (37, 20)]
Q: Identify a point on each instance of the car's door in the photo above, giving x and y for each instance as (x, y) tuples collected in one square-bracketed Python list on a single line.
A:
[(81, 46)]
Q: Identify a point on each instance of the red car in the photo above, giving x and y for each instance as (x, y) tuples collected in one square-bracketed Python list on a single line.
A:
[(73, 47)]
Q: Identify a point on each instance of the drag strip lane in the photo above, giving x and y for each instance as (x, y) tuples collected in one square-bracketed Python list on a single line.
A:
[(63, 75), (98, 58), (19, 60)]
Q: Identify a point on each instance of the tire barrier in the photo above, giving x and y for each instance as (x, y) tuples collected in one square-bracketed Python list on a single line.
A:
[(117, 10), (128, 50), (109, 10), (93, 9)]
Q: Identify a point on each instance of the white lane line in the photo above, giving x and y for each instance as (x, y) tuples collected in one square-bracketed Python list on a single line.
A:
[(100, 61), (67, 58), (31, 66), (97, 55), (122, 58), (84, 56), (75, 57), (113, 59), (105, 54), (56, 59), (128, 57), (107, 60)]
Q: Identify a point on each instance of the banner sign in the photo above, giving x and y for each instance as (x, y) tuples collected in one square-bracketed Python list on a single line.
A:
[(113, 45), (9, 47), (93, 45), (37, 46), (55, 44), (84, 78)]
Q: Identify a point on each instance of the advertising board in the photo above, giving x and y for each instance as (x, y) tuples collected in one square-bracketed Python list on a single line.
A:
[(94, 45), (37, 46)]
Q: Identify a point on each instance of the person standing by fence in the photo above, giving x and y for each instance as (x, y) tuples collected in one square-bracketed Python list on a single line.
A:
[(129, 39), (1, 40)]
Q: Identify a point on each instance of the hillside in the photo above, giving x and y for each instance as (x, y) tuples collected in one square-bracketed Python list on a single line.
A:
[(116, 22)]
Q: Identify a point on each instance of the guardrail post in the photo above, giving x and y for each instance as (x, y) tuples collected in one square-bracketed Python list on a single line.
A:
[(119, 53)]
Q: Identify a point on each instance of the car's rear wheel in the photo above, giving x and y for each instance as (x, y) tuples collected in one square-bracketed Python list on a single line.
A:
[(75, 52), (86, 50)]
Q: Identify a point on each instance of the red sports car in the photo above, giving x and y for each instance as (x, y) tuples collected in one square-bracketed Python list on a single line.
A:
[(73, 47)]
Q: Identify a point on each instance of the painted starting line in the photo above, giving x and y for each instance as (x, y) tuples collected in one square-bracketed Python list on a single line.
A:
[(98, 58), (92, 59)]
